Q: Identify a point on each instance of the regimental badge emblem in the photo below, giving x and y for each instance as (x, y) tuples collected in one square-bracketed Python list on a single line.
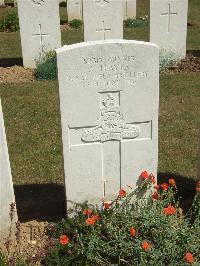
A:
[(110, 124), (102, 2), (38, 2)]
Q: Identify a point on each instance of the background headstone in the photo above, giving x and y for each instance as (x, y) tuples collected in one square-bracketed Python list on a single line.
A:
[(39, 28), (1, 2), (168, 25), (129, 9), (6, 186), (103, 19), (74, 9), (109, 95)]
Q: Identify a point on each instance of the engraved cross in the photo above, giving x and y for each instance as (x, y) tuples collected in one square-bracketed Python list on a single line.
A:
[(168, 14), (40, 35), (103, 30), (109, 133)]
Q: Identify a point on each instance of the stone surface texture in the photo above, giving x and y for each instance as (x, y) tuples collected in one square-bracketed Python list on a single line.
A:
[(129, 9), (109, 95), (6, 186), (168, 25), (74, 9), (39, 28), (103, 19)]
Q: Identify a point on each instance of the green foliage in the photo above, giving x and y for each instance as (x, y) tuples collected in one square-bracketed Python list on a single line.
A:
[(75, 23), (168, 59), (135, 23), (108, 241), (3, 261), (46, 67), (10, 22)]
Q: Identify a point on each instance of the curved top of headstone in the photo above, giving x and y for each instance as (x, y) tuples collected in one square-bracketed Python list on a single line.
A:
[(104, 42)]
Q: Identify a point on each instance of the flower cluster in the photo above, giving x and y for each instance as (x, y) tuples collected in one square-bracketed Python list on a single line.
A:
[(128, 227)]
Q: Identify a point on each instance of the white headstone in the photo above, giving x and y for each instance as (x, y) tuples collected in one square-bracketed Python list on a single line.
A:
[(103, 19), (168, 25), (6, 186), (2, 2), (109, 94), (129, 9), (74, 9), (39, 28)]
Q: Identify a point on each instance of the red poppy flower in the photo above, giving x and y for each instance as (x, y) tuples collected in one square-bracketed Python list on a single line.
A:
[(170, 210), (155, 196), (122, 193), (145, 245), (198, 186), (64, 240), (172, 182), (144, 175), (87, 212), (188, 257), (132, 231), (164, 186), (90, 221)]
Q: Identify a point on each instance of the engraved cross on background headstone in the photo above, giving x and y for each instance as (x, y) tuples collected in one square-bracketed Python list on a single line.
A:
[(103, 30), (40, 35), (168, 14), (110, 132)]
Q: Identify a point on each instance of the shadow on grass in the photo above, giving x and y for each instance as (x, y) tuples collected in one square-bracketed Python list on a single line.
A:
[(9, 62), (46, 202), (195, 53), (41, 202), (185, 188)]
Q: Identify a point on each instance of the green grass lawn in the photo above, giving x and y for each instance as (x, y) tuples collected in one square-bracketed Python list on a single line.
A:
[(33, 128)]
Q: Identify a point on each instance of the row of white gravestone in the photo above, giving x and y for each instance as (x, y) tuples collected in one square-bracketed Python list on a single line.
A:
[(40, 25), (75, 8)]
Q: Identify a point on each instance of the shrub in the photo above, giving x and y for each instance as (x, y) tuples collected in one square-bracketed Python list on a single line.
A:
[(63, 4), (75, 23), (134, 23), (10, 22), (168, 59), (140, 227), (46, 67)]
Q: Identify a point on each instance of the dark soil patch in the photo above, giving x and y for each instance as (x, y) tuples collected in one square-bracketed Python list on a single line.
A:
[(15, 74), (186, 65)]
